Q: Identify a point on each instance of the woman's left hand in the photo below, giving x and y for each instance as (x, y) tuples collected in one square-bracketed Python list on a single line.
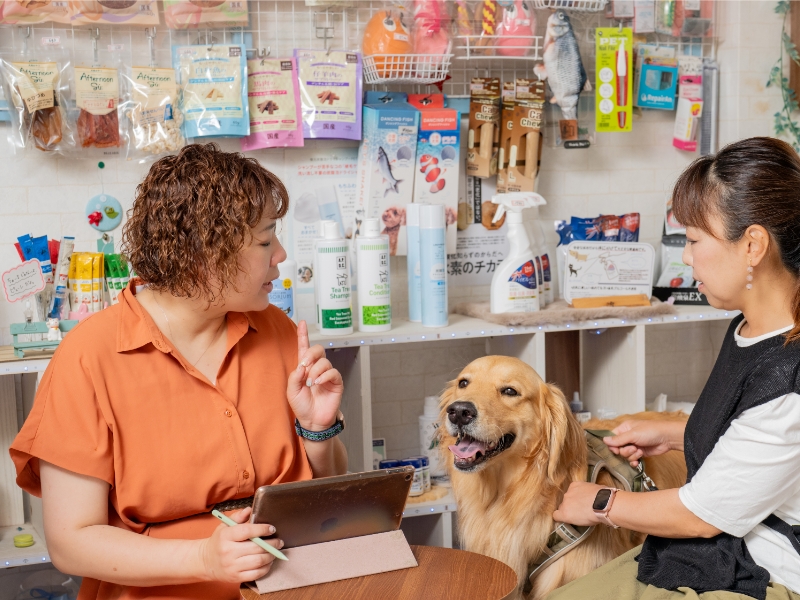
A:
[(576, 507), (315, 388)]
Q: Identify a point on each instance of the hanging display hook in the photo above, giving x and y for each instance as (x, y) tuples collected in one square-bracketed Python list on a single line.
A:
[(95, 35), (25, 37), (150, 33), (264, 52)]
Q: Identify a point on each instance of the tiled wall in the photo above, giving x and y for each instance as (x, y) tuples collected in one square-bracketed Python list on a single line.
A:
[(620, 173)]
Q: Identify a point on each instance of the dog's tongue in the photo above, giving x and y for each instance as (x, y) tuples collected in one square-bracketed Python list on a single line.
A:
[(468, 448)]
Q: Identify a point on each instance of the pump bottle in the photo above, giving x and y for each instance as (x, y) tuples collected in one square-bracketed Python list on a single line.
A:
[(515, 283), (374, 296)]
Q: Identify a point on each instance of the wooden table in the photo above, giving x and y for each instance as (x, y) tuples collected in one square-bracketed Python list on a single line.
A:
[(442, 574)]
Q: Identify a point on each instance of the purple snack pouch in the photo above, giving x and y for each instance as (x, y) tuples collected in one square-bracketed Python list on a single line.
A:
[(273, 94), (330, 91)]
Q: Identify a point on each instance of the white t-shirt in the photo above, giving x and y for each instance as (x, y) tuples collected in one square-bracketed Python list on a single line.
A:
[(753, 471)]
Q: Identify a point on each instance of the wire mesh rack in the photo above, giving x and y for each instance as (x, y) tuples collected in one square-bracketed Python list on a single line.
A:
[(572, 5), (406, 68)]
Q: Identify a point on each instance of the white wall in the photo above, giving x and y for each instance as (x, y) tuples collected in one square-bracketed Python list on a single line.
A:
[(620, 173)]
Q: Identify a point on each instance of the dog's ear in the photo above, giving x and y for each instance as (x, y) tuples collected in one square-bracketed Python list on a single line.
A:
[(565, 442)]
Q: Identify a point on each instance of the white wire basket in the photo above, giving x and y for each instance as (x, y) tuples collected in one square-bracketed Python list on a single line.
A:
[(576, 5), (513, 47), (406, 68)]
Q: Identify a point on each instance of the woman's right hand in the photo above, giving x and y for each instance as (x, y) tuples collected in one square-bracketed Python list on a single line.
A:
[(637, 439), (229, 555)]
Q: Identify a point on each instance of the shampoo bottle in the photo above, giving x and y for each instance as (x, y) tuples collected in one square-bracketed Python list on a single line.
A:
[(374, 297), (333, 282), (433, 265), (282, 294), (414, 284), (514, 285)]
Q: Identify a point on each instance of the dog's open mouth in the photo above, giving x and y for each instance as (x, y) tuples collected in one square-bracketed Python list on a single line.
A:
[(469, 453)]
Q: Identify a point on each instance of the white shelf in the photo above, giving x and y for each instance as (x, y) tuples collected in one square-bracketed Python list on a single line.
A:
[(463, 327), (441, 505), (11, 556)]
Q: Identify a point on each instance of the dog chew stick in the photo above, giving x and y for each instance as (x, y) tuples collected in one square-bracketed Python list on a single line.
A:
[(512, 157), (531, 153), (487, 138), (471, 139)]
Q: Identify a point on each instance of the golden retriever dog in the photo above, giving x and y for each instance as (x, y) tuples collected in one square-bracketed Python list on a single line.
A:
[(519, 449)]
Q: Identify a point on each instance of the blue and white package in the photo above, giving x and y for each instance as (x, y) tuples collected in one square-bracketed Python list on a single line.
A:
[(385, 180), (658, 84), (213, 85)]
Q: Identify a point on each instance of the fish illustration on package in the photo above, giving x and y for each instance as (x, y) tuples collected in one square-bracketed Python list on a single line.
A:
[(563, 68), (386, 173)]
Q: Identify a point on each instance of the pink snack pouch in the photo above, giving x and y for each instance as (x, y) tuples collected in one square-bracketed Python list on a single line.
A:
[(273, 94), (14, 12)]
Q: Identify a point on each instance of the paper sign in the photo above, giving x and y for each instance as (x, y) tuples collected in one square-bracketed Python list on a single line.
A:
[(23, 280), (596, 269), (479, 252)]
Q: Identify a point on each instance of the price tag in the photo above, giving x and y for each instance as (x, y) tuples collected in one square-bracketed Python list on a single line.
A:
[(51, 41), (116, 47), (23, 280)]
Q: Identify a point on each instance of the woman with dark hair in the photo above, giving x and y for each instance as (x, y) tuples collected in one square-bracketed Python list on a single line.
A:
[(191, 392), (727, 532)]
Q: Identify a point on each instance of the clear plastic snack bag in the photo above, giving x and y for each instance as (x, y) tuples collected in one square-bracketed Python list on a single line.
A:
[(36, 85), (152, 118)]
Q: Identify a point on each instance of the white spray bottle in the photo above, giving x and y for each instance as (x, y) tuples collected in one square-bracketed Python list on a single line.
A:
[(514, 285), (283, 288)]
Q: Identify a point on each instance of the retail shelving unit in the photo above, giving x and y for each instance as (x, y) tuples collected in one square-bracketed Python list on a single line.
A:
[(612, 360)]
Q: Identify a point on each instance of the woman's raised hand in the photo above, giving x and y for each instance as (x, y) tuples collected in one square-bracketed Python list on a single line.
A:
[(637, 439), (315, 388), (229, 555)]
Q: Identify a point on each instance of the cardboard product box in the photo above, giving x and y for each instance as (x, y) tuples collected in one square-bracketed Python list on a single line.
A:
[(658, 84), (484, 127), (506, 125), (525, 143), (386, 160), (436, 175)]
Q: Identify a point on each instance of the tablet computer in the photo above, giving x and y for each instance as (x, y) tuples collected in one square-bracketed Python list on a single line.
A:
[(334, 508)]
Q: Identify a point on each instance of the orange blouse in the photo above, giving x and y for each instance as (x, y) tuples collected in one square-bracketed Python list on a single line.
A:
[(119, 403)]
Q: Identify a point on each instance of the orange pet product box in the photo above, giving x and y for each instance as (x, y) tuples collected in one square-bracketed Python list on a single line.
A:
[(436, 172)]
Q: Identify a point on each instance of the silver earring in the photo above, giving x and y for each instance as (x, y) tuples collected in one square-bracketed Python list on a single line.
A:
[(749, 285)]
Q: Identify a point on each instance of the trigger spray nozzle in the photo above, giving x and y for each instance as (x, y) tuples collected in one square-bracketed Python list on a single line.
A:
[(515, 202)]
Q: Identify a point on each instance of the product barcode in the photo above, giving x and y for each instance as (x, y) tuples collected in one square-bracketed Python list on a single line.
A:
[(116, 47), (51, 41)]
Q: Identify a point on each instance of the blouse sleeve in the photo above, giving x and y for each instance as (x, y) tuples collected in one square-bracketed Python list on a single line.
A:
[(753, 469), (65, 426)]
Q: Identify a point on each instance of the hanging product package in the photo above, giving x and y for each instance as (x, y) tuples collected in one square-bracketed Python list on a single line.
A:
[(152, 117), (19, 12), (274, 100), (97, 93), (330, 90), (114, 12), (190, 14), (36, 92), (213, 84)]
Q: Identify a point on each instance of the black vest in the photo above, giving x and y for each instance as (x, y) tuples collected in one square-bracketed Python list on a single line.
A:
[(742, 378)]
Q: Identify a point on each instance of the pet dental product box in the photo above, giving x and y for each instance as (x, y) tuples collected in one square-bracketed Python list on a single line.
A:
[(386, 159), (658, 84), (436, 176)]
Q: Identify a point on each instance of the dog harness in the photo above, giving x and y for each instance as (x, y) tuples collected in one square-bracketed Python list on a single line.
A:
[(566, 537)]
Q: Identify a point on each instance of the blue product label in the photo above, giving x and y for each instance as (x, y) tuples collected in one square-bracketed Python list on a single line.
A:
[(282, 296), (525, 276), (546, 267)]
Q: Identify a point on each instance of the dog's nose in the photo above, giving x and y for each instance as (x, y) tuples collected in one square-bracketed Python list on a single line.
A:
[(461, 413)]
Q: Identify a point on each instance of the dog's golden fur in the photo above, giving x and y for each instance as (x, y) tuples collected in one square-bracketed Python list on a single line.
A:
[(505, 505)]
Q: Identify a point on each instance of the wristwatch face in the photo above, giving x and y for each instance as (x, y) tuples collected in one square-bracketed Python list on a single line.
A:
[(601, 500)]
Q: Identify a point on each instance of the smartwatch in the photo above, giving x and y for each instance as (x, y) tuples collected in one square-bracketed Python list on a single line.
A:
[(321, 436), (602, 505)]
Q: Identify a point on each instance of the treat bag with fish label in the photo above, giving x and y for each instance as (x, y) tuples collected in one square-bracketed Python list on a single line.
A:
[(274, 99), (330, 91), (36, 85), (213, 85), (152, 117)]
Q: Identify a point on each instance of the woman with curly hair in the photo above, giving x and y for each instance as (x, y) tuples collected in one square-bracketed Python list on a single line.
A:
[(191, 392)]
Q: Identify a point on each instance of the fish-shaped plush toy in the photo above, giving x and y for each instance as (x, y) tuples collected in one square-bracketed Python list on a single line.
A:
[(562, 67), (386, 173)]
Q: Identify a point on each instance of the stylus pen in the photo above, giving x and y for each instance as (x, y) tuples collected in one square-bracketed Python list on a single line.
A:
[(258, 541)]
